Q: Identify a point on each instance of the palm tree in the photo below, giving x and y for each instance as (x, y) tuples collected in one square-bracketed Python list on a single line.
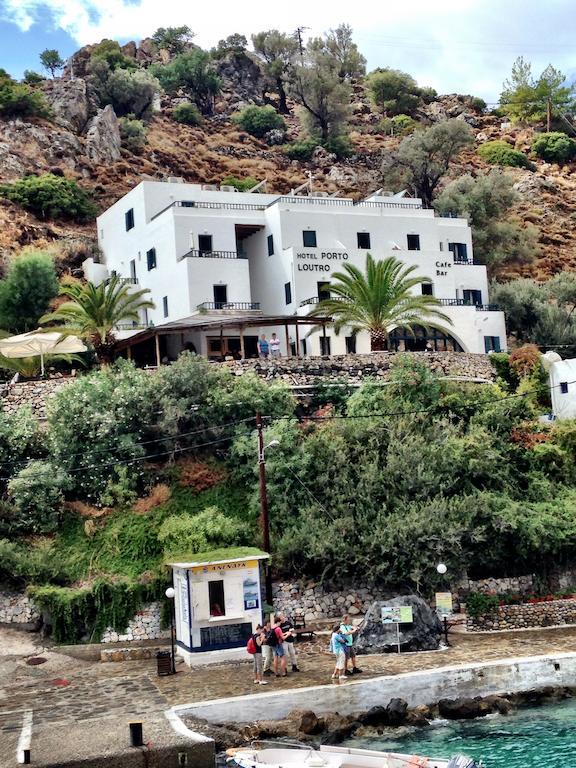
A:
[(93, 311), (379, 300)]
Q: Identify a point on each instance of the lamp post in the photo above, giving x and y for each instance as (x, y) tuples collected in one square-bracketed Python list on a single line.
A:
[(442, 568), (264, 519), (170, 593)]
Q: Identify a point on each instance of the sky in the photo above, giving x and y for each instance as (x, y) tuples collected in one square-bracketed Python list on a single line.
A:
[(455, 46)]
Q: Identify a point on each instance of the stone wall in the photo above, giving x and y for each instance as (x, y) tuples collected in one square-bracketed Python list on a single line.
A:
[(144, 626), (16, 608), (546, 614), (33, 393), (314, 602), (355, 368), (517, 585)]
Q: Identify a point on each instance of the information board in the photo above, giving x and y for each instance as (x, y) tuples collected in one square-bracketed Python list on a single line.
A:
[(397, 614), (444, 603), (225, 635)]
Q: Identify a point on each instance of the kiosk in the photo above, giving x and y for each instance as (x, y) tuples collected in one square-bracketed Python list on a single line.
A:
[(217, 602)]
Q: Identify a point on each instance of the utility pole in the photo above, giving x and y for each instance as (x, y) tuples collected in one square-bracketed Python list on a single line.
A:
[(548, 115), (264, 520)]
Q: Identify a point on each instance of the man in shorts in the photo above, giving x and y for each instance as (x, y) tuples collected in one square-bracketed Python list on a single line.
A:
[(349, 631), (275, 639), (289, 634)]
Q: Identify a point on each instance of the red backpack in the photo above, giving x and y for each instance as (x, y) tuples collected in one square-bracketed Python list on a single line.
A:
[(251, 646)]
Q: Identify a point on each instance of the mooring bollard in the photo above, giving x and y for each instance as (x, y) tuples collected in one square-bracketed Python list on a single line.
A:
[(136, 735)]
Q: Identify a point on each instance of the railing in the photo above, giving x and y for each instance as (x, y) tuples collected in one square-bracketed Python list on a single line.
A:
[(303, 199), (207, 305), (318, 299), (197, 254), (467, 303), (122, 280), (464, 261), (449, 215), (134, 326), (377, 204), (211, 205)]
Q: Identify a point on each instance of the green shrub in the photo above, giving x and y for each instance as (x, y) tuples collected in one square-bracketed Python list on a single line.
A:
[(133, 133), (395, 92), (478, 604), (110, 52), (37, 494), (399, 125), (186, 534), (302, 150), (50, 197), (257, 121), (478, 104), (554, 147), (501, 153), (193, 73), (187, 113), (19, 100), (32, 78), (130, 92), (340, 145), (242, 185)]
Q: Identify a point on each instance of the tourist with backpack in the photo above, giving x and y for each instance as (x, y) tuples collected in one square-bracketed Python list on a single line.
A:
[(338, 648), (275, 641), (254, 646)]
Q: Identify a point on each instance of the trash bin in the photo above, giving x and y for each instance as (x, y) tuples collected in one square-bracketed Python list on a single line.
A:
[(164, 663)]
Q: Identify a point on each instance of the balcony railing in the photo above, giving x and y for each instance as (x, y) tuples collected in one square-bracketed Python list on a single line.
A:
[(304, 199), (382, 204), (318, 299), (464, 261), (466, 303), (122, 280), (243, 305), (134, 326), (197, 254), (211, 206)]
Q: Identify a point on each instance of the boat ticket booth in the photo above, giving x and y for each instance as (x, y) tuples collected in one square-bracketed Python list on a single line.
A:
[(217, 603)]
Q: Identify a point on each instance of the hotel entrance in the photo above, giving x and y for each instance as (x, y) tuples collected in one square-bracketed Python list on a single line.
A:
[(402, 340)]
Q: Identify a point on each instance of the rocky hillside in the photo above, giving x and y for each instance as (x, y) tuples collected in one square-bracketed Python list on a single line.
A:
[(83, 142)]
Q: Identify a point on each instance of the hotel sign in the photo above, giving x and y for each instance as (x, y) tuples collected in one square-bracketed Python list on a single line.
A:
[(319, 261), (239, 565)]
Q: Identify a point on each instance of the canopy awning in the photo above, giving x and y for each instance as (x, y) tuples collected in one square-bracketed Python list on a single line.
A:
[(39, 343)]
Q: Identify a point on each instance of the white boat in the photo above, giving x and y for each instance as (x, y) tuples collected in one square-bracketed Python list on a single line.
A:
[(282, 756)]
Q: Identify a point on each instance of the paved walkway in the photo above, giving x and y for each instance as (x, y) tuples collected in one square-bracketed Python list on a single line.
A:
[(66, 689)]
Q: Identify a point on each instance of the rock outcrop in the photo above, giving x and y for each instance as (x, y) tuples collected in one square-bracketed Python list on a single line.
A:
[(422, 635), (68, 100), (103, 138)]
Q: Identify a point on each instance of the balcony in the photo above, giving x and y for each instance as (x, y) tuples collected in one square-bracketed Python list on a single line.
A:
[(122, 280), (243, 306), (318, 299), (465, 303), (211, 206), (196, 254), (458, 261)]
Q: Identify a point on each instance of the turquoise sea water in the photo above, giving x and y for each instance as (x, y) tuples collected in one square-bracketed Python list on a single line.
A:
[(535, 737)]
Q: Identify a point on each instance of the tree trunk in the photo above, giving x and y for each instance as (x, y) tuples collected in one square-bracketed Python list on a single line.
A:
[(282, 106), (378, 340)]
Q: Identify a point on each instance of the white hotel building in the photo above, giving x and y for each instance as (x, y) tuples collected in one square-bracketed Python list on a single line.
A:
[(224, 267)]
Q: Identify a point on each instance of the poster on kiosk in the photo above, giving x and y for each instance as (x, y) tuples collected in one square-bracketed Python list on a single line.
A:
[(218, 599)]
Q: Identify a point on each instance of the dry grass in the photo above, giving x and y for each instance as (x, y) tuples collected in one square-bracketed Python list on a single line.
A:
[(198, 475), (87, 511), (158, 495)]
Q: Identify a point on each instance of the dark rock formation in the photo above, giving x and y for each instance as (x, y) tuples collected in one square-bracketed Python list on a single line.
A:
[(461, 709), (103, 137), (68, 100), (242, 80), (310, 724), (422, 635), (396, 711)]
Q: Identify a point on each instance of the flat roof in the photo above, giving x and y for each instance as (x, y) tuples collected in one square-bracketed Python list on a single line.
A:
[(219, 556)]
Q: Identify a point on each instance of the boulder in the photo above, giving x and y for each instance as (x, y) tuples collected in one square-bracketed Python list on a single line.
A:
[(375, 716), (396, 711), (461, 709), (310, 724), (103, 137), (68, 101), (242, 78), (422, 635)]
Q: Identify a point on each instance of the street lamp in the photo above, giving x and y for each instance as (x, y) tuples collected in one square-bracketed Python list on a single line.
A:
[(442, 568), (264, 519), (170, 593)]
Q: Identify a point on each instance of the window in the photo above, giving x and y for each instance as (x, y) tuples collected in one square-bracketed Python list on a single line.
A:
[(151, 259), (288, 293), (471, 296), (413, 242), (323, 289), (459, 250), (129, 219), (216, 598), (270, 241), (350, 345), (427, 289), (491, 344), (205, 243), (564, 387), (304, 347), (220, 296), (309, 238), (165, 305), (325, 345), (363, 239), (133, 269)]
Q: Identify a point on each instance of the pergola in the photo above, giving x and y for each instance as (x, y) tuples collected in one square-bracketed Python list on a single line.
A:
[(128, 338)]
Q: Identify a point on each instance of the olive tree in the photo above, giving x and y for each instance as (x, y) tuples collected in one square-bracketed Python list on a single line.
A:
[(277, 51)]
